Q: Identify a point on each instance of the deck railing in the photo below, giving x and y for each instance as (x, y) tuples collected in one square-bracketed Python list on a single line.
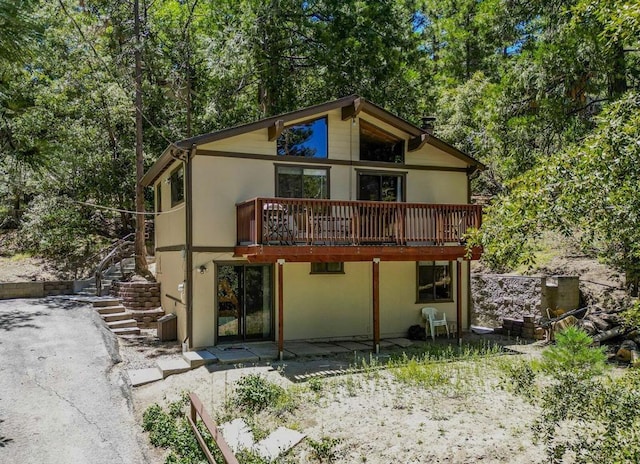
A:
[(297, 221)]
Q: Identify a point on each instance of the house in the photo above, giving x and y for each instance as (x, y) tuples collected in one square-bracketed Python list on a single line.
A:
[(337, 221)]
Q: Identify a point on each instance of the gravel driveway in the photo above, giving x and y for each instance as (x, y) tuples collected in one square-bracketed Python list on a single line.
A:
[(62, 398)]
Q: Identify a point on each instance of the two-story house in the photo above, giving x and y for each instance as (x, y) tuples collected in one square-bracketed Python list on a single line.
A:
[(337, 221)]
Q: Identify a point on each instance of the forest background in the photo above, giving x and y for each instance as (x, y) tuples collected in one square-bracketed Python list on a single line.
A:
[(544, 92)]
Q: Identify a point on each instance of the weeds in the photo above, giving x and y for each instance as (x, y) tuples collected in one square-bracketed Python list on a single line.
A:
[(171, 430), (324, 450), (518, 377), (254, 393)]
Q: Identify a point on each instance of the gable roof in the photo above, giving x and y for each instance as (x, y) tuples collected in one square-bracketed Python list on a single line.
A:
[(354, 102)]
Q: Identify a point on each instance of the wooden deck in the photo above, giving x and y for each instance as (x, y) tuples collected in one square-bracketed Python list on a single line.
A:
[(324, 230)]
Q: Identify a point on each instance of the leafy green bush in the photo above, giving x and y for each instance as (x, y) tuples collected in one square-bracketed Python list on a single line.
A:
[(324, 450), (592, 418), (631, 317), (573, 355), (56, 228), (170, 429), (254, 393)]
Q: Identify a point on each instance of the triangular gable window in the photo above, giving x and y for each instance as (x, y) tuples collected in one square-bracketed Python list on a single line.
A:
[(379, 145)]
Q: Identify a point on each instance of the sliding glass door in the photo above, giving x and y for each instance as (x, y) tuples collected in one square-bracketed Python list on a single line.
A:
[(245, 302)]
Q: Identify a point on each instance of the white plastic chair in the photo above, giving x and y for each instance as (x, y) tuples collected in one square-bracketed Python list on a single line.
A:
[(430, 314)]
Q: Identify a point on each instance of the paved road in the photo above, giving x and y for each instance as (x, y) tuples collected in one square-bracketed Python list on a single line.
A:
[(61, 398)]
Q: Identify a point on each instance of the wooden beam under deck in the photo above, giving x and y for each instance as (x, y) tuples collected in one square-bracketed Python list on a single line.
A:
[(327, 254)]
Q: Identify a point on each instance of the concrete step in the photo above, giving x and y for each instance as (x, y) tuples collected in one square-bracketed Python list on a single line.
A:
[(199, 358), (173, 366), (115, 317), (126, 331), (106, 302), (121, 324), (111, 309), (144, 376)]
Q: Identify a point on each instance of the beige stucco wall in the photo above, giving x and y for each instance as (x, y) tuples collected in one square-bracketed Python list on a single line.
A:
[(170, 272), (220, 183), (335, 306), (170, 223)]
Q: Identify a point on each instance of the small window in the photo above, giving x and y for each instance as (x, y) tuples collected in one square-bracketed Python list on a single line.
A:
[(300, 182), (177, 186), (374, 186), (158, 197), (327, 268), (379, 145), (433, 282), (306, 140)]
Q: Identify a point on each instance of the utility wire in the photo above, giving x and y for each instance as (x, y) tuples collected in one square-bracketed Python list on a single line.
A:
[(118, 210)]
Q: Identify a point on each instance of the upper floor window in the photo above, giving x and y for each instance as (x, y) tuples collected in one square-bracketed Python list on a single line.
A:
[(302, 182), (381, 186), (379, 145), (177, 186), (307, 140)]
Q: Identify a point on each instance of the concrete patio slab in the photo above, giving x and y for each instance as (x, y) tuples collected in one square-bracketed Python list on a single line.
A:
[(268, 351), (233, 354), (237, 434), (355, 346), (333, 348), (173, 366), (278, 442), (199, 358), (140, 377), (307, 349), (387, 344), (401, 342)]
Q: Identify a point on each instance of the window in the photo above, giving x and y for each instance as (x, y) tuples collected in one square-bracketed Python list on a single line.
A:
[(177, 186), (307, 140), (379, 145), (302, 182), (159, 197), (433, 282), (327, 268), (373, 186)]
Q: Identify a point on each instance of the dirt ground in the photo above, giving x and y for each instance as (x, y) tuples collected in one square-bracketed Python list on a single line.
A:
[(20, 268), (466, 417)]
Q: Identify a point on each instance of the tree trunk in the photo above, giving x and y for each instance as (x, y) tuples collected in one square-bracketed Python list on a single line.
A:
[(615, 332), (140, 249)]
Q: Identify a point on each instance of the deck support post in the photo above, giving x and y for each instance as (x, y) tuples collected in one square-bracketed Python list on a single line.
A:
[(280, 263), (376, 305), (459, 300)]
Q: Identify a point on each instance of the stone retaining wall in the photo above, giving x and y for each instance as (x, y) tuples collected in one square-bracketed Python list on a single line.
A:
[(496, 297), (37, 289), (142, 299)]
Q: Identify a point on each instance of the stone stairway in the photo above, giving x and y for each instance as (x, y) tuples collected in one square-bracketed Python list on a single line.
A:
[(116, 316), (111, 274)]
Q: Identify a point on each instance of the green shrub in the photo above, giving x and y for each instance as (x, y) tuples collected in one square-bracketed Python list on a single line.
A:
[(254, 393), (573, 355), (324, 450), (171, 430)]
